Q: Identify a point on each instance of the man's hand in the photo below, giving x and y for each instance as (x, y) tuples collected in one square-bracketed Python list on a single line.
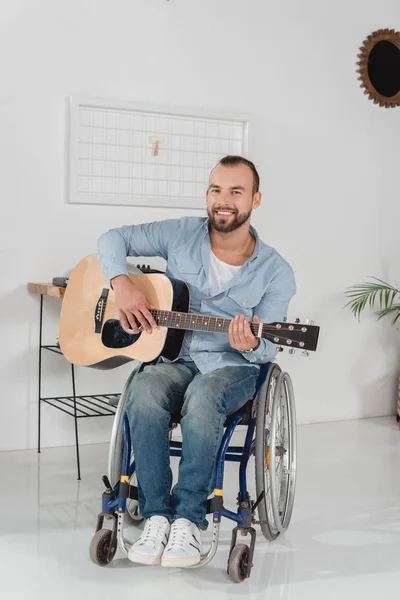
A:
[(131, 303), (240, 335)]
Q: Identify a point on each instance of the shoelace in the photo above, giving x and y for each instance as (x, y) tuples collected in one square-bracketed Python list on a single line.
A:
[(178, 535), (152, 532)]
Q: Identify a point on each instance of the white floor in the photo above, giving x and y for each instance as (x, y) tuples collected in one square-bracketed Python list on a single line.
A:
[(343, 542)]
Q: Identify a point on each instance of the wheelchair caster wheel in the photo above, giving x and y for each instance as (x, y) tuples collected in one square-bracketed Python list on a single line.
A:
[(238, 564), (100, 551)]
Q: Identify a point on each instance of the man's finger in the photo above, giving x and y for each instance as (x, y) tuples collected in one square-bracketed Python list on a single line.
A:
[(144, 324), (230, 333), (248, 334), (128, 324), (124, 321), (132, 322), (150, 319), (241, 331), (235, 331)]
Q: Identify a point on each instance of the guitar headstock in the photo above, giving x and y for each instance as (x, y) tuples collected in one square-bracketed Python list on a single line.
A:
[(296, 335)]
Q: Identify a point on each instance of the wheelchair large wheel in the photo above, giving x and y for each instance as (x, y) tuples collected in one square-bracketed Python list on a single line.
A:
[(117, 449), (276, 453), (117, 435)]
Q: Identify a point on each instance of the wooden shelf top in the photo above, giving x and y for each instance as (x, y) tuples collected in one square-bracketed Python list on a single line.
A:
[(47, 289)]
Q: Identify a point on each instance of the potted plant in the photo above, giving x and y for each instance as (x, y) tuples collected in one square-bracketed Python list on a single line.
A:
[(372, 294)]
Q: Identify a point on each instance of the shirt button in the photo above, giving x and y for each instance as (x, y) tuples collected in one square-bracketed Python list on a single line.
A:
[(181, 268), (193, 353), (204, 301), (195, 336), (243, 303)]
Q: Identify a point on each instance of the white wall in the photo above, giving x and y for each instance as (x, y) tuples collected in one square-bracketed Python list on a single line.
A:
[(328, 160)]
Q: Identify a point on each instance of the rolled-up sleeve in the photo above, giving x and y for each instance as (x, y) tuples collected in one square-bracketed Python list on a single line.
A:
[(147, 239), (273, 307)]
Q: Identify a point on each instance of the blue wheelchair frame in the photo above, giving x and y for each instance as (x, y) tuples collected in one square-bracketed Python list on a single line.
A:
[(116, 498)]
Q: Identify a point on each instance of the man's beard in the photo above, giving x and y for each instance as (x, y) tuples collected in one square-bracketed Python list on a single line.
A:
[(223, 226)]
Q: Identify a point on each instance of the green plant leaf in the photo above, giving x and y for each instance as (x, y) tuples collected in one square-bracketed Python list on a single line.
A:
[(387, 311), (368, 292)]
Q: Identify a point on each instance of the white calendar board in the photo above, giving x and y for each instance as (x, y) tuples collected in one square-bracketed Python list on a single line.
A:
[(122, 153)]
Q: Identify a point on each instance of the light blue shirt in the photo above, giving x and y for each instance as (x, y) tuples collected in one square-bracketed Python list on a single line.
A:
[(263, 286)]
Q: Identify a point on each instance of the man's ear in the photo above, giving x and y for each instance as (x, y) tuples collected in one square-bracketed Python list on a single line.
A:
[(257, 199)]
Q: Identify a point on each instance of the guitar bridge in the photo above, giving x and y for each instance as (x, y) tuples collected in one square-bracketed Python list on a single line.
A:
[(100, 309)]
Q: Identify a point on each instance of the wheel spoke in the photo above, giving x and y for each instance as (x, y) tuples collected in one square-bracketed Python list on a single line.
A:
[(276, 450)]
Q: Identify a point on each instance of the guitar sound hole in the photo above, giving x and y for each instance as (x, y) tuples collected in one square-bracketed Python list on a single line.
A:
[(114, 336)]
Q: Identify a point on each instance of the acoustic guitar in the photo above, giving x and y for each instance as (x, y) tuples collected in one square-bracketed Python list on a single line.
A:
[(91, 333)]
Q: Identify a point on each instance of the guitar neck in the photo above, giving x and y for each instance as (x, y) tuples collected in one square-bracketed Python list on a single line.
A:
[(288, 334)]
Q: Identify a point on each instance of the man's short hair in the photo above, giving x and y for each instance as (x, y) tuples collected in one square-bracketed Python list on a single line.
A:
[(232, 161)]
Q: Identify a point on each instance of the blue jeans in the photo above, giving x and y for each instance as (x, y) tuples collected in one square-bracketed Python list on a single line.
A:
[(204, 401)]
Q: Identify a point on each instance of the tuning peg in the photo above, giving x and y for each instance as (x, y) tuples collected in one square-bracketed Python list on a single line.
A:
[(292, 351), (284, 319), (297, 320), (308, 322), (304, 353), (280, 349)]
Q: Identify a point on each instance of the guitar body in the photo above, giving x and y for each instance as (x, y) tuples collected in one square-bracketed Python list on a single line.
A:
[(90, 330)]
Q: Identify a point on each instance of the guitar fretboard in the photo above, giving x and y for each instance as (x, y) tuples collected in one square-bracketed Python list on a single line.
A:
[(195, 322)]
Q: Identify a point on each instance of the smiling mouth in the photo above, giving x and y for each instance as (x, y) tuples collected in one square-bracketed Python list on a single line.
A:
[(224, 213)]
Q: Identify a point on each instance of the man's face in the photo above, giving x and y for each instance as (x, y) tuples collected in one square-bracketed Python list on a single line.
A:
[(230, 197)]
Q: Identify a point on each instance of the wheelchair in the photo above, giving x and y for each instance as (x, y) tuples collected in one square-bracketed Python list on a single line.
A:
[(270, 437)]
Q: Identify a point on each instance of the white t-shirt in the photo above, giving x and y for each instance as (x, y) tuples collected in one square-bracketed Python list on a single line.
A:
[(220, 273)]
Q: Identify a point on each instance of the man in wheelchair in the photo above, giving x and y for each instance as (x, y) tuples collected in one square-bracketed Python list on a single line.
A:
[(231, 274)]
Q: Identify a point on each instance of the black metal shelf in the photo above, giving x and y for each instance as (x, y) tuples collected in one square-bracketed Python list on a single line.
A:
[(85, 405)]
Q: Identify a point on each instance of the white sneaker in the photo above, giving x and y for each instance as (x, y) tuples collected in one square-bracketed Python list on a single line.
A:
[(148, 549), (184, 546)]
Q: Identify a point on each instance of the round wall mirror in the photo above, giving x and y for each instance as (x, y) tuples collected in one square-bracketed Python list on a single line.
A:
[(379, 67)]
